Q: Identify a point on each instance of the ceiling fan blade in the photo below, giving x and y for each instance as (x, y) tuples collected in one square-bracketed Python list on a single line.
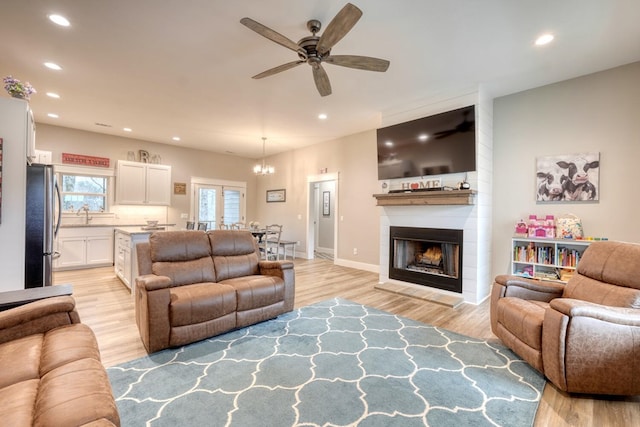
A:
[(270, 34), (322, 80), (339, 26), (445, 133), (278, 69), (360, 62)]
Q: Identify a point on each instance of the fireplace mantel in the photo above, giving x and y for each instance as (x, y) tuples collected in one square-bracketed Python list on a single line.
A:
[(421, 198)]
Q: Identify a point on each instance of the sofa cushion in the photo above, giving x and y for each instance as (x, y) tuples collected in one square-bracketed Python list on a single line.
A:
[(67, 344), (179, 246), (588, 289), (186, 272), (27, 366), (55, 378), (607, 274), (612, 262), (18, 401), (235, 254), (200, 303), (523, 319), (74, 394), (257, 291)]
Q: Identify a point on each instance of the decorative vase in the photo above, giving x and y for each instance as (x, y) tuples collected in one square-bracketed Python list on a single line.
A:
[(20, 96)]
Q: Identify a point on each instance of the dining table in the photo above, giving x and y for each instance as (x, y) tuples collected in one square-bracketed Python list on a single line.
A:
[(258, 232)]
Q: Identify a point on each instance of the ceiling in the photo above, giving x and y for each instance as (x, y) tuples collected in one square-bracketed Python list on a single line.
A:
[(183, 67)]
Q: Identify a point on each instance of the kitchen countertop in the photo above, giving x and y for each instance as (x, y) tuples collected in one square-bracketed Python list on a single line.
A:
[(110, 225), (140, 229)]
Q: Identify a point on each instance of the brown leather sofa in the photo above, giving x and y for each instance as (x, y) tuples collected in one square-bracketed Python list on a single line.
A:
[(50, 369), (194, 285), (583, 336)]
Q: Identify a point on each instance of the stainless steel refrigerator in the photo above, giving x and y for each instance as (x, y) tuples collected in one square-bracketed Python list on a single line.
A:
[(42, 205)]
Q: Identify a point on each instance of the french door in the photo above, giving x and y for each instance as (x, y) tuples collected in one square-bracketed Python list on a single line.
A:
[(218, 204)]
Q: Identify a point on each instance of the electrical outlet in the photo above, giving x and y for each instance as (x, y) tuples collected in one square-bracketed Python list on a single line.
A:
[(355, 251), (184, 216)]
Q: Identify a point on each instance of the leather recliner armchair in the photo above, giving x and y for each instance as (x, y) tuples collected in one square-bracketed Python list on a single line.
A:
[(583, 336)]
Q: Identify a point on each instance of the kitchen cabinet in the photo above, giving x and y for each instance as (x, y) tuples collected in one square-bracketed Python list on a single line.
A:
[(84, 247), (126, 259), (143, 183), (122, 262)]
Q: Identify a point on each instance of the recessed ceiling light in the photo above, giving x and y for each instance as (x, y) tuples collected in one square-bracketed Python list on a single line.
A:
[(176, 138), (544, 39), (53, 116), (127, 129), (59, 19), (53, 66), (322, 116), (53, 95), (389, 143), (423, 137)]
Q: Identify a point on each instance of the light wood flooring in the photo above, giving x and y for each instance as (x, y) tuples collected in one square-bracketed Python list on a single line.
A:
[(106, 305)]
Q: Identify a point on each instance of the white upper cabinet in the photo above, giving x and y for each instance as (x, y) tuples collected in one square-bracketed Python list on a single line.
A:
[(143, 184)]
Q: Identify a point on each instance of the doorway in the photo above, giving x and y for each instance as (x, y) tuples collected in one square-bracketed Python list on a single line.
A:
[(215, 204), (322, 235)]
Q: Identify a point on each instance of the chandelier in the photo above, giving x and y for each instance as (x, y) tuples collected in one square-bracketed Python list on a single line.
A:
[(263, 169)]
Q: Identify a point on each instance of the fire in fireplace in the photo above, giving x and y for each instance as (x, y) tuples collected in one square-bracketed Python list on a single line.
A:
[(427, 256)]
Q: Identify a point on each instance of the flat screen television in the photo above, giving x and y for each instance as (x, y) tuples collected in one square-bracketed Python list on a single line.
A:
[(435, 145)]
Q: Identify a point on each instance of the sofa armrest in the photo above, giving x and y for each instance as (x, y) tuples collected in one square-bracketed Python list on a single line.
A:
[(151, 282), (283, 269), (530, 289), (591, 348), (617, 315), (37, 317), (274, 268)]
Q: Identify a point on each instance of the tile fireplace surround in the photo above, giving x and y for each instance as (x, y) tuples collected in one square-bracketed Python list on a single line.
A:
[(476, 262)]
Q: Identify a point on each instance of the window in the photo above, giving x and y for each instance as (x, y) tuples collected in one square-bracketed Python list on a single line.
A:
[(79, 190)]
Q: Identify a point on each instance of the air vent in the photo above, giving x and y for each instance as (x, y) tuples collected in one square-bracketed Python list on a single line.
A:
[(102, 124)]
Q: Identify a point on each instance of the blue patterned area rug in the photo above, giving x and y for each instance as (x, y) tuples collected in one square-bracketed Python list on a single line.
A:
[(335, 363)]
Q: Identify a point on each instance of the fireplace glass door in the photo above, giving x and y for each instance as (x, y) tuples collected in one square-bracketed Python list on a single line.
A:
[(427, 256)]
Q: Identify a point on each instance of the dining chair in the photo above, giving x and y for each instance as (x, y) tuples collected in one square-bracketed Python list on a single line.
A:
[(190, 225), (202, 226), (238, 226), (270, 245), (225, 227)]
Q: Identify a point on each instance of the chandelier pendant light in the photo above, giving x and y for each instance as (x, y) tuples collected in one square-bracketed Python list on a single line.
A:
[(263, 169)]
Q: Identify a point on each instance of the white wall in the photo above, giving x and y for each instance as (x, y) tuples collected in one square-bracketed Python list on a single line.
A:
[(594, 113), (13, 126), (185, 162)]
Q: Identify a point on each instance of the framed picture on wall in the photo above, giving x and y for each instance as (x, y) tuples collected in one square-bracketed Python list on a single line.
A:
[(568, 178), (276, 195), (326, 203)]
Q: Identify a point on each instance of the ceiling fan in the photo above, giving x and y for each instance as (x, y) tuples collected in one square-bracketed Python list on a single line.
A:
[(465, 125), (315, 50)]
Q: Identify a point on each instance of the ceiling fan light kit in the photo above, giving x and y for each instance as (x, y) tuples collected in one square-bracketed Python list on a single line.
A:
[(316, 50)]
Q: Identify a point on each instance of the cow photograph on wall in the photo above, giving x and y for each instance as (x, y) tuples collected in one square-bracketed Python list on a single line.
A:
[(568, 178)]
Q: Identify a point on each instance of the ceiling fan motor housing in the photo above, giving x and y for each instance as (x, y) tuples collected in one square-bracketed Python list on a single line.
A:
[(309, 44)]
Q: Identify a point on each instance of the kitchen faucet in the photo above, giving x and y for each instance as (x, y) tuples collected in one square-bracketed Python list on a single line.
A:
[(85, 208)]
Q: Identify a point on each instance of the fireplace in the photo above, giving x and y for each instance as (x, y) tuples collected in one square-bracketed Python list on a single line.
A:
[(426, 256)]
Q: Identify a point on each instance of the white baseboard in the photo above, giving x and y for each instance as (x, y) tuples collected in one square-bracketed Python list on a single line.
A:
[(373, 268)]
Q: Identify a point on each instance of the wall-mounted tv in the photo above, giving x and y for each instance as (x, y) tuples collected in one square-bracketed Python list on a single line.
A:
[(435, 145)]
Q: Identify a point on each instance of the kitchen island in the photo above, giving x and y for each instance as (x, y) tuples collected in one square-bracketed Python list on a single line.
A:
[(125, 257)]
